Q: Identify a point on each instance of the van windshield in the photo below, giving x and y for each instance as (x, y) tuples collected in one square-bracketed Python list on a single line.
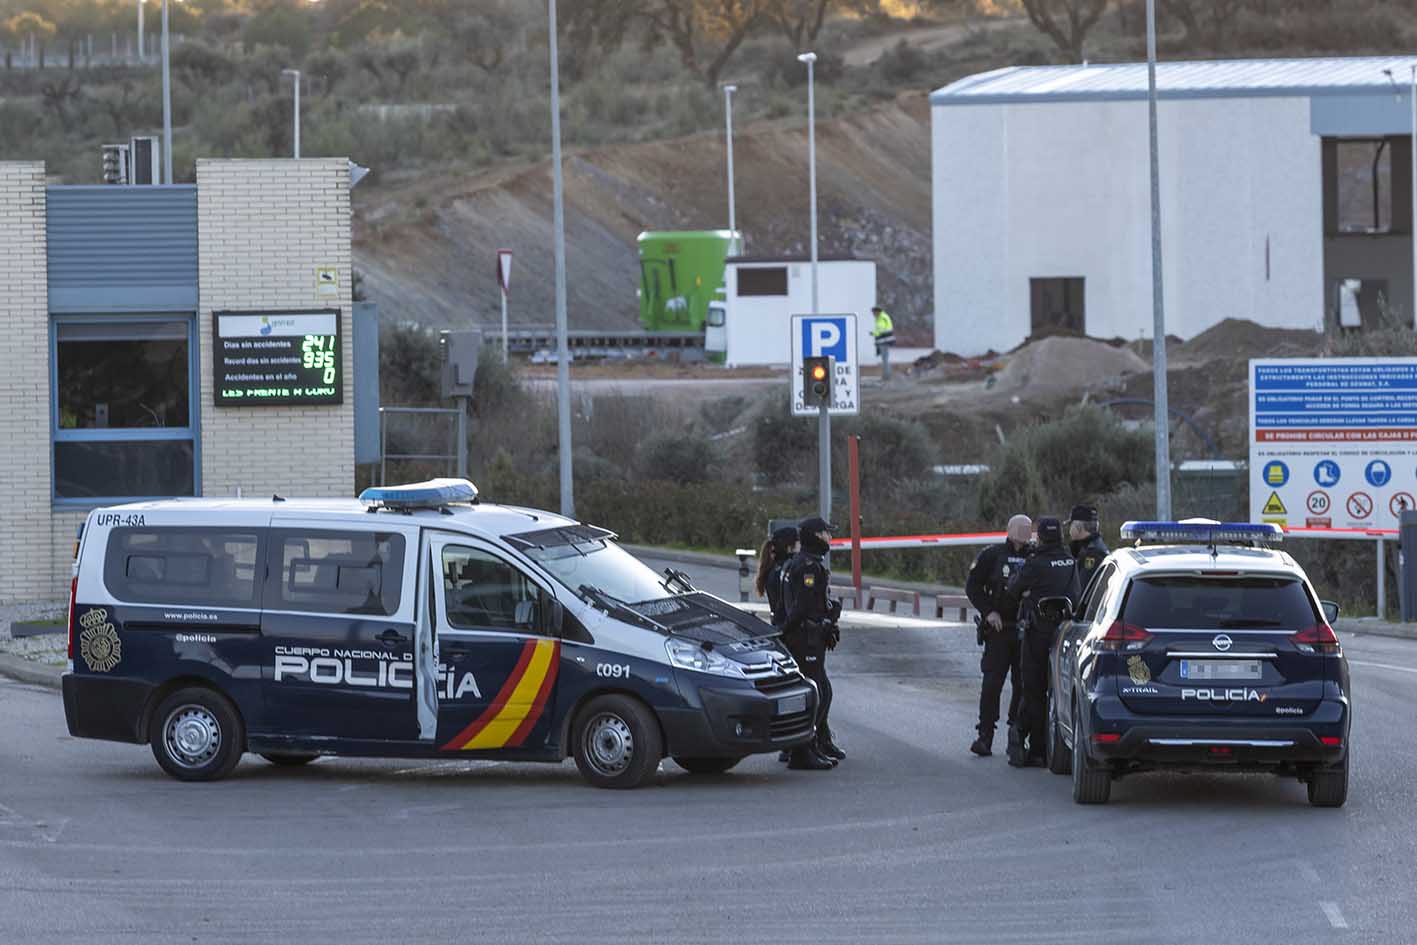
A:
[(603, 565)]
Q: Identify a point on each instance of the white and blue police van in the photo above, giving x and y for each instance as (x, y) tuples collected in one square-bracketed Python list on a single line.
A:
[(417, 621)]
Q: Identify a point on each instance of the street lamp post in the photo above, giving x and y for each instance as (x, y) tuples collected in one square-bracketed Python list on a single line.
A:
[(1412, 185), (563, 353), (824, 420), (1158, 310), (166, 101), (295, 74), (728, 91), (140, 30)]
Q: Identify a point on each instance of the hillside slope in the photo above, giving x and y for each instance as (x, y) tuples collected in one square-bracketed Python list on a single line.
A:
[(425, 248)]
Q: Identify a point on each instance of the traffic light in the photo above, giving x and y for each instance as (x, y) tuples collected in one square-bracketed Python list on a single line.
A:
[(817, 382)]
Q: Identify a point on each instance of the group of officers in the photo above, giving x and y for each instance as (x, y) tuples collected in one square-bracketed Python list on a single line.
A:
[(1006, 583)]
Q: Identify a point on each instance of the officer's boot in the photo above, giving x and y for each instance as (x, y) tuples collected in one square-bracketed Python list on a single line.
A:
[(805, 759), (984, 745), (1017, 756), (826, 745)]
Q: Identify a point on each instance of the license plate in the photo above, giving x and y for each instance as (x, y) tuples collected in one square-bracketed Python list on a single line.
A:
[(792, 704), (1220, 670)]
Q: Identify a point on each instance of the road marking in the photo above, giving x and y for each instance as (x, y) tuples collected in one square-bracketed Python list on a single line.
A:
[(1399, 669), (1335, 915)]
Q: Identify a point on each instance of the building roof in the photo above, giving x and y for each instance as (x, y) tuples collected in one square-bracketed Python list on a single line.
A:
[(1235, 78)]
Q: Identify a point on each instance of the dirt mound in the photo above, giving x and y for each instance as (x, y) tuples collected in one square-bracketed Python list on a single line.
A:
[(1060, 364), (1234, 338)]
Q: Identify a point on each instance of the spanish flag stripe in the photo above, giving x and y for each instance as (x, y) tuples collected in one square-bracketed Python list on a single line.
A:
[(496, 705), (539, 705), (496, 733)]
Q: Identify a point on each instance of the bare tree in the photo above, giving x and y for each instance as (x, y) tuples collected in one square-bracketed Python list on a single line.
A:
[(705, 33), (1206, 21), (1065, 22)]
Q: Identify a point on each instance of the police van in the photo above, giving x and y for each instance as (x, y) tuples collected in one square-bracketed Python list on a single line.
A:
[(415, 622)]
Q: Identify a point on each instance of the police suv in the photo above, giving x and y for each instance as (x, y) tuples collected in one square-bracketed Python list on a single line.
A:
[(1202, 651), (416, 622)]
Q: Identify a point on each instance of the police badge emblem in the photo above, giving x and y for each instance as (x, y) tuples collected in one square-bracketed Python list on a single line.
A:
[(1138, 670), (810, 580), (98, 643)]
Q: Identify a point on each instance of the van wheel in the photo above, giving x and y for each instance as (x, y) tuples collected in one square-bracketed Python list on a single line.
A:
[(1060, 760), (616, 742), (705, 765), (1328, 787), (1091, 785), (197, 735), (290, 760)]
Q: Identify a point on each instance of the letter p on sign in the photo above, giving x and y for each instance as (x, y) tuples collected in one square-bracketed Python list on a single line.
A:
[(824, 338)]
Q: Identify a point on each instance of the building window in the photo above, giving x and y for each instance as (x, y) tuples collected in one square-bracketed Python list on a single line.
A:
[(770, 280), (124, 412), (1364, 169), (1362, 303), (1057, 306)]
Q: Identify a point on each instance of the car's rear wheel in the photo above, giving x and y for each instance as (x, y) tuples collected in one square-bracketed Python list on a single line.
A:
[(289, 759), (1328, 787), (197, 735), (616, 742), (705, 765), (1091, 784), (1060, 761)]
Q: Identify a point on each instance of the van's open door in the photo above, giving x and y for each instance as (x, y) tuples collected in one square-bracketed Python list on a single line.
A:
[(425, 644)]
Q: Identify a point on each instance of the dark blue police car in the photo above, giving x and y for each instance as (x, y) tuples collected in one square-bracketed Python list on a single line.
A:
[(1199, 648)]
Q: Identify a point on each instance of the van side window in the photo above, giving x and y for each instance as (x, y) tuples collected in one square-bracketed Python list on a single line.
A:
[(210, 567), (482, 591), (334, 572)]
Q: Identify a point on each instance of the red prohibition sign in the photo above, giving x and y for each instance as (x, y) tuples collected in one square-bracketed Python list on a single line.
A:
[(1401, 502), (1360, 505), (1318, 502)]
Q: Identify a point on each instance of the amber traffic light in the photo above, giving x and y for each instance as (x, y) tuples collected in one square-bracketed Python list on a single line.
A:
[(816, 382)]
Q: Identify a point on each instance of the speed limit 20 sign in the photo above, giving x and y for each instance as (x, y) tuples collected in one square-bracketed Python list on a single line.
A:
[(1318, 502)]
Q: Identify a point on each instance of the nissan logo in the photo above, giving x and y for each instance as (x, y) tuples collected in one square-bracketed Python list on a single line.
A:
[(1222, 642)]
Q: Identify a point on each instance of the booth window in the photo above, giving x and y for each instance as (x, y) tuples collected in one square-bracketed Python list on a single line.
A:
[(123, 409), (762, 281)]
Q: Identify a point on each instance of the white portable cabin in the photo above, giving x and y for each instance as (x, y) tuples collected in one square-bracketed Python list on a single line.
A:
[(1041, 191), (764, 292)]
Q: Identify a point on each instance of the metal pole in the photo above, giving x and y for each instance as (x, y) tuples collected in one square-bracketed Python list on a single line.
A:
[(383, 447), (504, 326), (853, 456), (1413, 186), (1158, 310), (140, 31), (297, 113), (728, 91), (462, 437), (166, 102), (563, 353), (1382, 579), (824, 420)]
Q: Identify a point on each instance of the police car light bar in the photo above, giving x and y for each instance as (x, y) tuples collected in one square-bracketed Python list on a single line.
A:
[(1202, 532), (433, 494)]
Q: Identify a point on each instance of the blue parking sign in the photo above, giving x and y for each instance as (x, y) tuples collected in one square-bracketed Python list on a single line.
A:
[(824, 336)]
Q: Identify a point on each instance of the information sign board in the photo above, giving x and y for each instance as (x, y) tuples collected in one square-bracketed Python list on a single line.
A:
[(832, 336), (272, 358)]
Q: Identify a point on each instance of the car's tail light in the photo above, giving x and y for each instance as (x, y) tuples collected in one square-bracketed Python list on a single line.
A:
[(73, 592), (1123, 636), (1106, 738), (1319, 638), (1331, 741)]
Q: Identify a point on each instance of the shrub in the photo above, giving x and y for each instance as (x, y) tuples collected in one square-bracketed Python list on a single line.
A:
[(902, 64), (683, 456)]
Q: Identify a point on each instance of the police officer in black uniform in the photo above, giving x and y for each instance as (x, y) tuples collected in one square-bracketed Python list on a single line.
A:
[(1051, 572), (809, 630), (777, 551), (1086, 543), (985, 586)]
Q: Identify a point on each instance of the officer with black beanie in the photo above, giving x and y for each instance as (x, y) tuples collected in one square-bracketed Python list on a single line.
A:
[(777, 551), (1051, 572), (809, 631), (1086, 543)]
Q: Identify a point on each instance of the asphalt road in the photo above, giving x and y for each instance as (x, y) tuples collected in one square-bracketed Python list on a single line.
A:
[(911, 840)]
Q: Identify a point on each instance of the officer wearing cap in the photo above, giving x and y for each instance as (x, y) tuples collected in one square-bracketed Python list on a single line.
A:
[(998, 632), (809, 630), (1051, 572), (1086, 543)]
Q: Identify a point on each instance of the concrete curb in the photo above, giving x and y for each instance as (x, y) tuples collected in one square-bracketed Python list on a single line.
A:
[(29, 671), (1378, 628)]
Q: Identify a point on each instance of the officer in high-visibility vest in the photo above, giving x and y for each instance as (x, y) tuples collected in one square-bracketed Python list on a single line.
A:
[(884, 333)]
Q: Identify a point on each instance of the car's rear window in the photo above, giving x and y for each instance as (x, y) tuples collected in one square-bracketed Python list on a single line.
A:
[(1218, 603)]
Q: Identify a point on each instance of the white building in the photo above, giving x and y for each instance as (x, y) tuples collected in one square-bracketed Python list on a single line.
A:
[(763, 293), (1268, 205)]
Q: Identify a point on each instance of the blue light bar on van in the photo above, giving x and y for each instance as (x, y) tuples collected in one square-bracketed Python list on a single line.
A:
[(433, 494), (1202, 532)]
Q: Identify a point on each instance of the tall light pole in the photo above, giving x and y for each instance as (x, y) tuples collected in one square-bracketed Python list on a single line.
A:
[(1412, 185), (563, 352), (1158, 309), (166, 101), (295, 74), (728, 91), (824, 419), (140, 30)]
